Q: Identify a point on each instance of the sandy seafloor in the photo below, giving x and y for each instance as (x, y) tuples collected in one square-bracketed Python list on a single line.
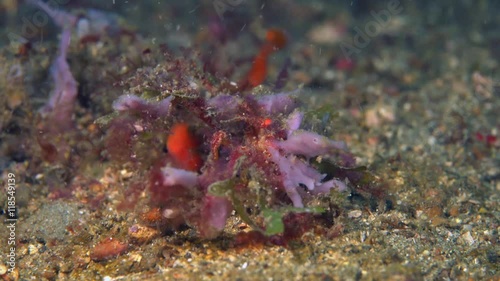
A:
[(419, 106)]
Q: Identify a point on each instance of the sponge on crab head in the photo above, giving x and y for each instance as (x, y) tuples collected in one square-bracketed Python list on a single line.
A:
[(214, 213), (293, 121), (283, 103), (174, 176), (296, 172), (132, 103), (310, 144), (168, 184), (62, 100)]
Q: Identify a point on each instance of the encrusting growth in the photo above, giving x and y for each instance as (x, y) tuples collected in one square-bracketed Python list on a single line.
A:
[(224, 151)]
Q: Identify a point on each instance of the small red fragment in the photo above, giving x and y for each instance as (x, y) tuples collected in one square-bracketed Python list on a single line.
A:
[(182, 145), (490, 140), (153, 216), (258, 72), (267, 122), (24, 49), (275, 40), (90, 38), (479, 136), (344, 64)]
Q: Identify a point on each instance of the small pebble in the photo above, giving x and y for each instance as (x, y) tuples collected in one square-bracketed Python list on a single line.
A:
[(32, 249), (107, 249), (354, 214), (142, 234), (3, 269), (244, 265), (468, 238)]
